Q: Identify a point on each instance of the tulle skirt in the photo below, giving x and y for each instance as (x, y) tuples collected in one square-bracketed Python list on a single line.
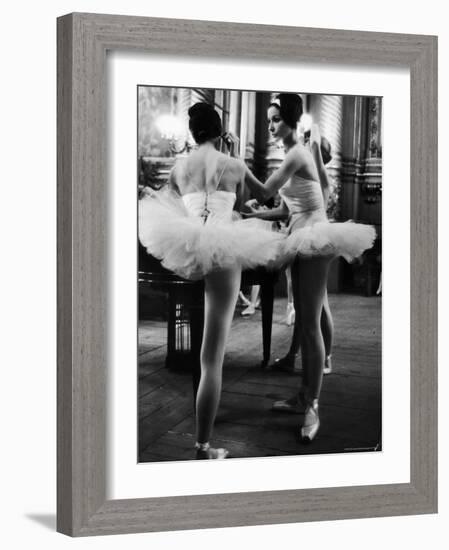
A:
[(192, 249), (313, 235)]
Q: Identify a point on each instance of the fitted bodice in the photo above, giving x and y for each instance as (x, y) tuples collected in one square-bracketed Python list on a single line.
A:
[(302, 195), (304, 200), (212, 207)]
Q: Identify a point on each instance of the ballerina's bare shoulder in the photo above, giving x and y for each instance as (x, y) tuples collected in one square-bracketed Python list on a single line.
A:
[(207, 170)]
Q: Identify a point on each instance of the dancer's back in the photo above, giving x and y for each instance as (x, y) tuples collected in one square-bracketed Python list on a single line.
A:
[(207, 170)]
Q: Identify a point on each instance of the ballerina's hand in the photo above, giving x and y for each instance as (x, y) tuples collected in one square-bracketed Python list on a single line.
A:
[(232, 142), (253, 205)]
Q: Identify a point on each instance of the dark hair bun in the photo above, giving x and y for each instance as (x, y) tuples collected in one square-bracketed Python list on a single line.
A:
[(204, 122), (199, 108), (290, 108)]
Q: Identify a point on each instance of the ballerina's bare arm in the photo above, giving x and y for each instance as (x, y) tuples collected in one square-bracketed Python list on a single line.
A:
[(315, 148), (279, 213), (293, 162)]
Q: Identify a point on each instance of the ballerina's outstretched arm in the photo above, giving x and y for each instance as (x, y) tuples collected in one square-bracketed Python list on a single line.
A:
[(293, 162), (279, 213)]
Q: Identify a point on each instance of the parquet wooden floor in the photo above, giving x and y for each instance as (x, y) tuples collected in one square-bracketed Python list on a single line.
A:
[(350, 404)]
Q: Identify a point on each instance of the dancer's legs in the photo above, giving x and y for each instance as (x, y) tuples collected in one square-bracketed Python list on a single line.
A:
[(244, 299), (312, 279), (327, 326), (252, 304), (288, 361), (327, 329), (290, 311), (309, 282), (326, 322), (310, 290), (255, 289), (221, 291), (288, 277), (295, 281)]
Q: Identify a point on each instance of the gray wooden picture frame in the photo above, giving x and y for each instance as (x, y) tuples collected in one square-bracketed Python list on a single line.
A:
[(83, 40)]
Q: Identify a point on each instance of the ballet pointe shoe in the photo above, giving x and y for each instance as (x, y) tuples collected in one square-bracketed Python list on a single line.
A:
[(328, 365), (286, 364), (250, 310), (294, 405), (290, 315), (311, 422), (244, 300), (205, 452)]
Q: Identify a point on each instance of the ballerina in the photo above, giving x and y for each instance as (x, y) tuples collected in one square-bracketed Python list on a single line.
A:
[(311, 244), (192, 229), (287, 363)]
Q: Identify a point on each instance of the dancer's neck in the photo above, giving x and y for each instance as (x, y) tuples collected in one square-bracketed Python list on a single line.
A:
[(207, 145), (290, 141)]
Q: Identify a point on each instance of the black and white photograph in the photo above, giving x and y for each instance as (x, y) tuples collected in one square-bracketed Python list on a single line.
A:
[(259, 273)]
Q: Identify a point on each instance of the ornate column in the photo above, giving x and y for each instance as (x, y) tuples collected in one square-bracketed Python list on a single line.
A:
[(248, 127), (222, 104), (372, 180), (362, 180), (235, 112), (362, 159), (354, 139)]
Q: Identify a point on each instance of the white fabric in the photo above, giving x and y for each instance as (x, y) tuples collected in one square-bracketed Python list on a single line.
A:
[(215, 207), (196, 233), (311, 233), (302, 195)]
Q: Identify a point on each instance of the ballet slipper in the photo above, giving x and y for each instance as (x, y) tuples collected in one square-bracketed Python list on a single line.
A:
[(244, 300), (328, 365), (311, 422), (205, 452), (250, 310), (286, 364)]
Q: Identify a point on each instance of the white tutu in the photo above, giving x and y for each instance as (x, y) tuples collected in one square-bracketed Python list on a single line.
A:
[(324, 238), (311, 233), (191, 247)]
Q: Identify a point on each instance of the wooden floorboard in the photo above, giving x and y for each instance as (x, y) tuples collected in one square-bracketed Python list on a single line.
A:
[(350, 404)]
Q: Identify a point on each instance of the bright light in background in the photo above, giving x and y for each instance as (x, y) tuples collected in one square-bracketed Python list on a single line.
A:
[(170, 126), (306, 122)]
